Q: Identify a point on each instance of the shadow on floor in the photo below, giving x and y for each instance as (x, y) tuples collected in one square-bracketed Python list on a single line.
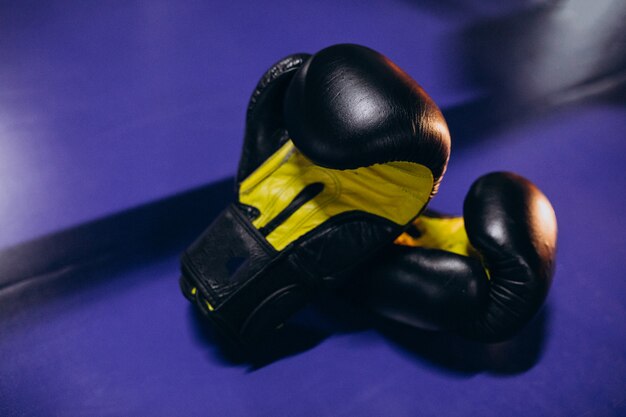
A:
[(122, 240), (89, 254), (334, 315)]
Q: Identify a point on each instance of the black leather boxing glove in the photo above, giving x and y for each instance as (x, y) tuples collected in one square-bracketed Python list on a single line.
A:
[(483, 275), (333, 142)]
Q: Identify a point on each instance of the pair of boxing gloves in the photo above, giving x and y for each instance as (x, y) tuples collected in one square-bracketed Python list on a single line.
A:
[(342, 152)]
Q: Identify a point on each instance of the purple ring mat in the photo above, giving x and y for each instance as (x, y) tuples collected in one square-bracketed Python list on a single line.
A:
[(120, 130)]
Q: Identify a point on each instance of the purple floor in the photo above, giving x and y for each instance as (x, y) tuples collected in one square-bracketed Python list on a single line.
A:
[(110, 113)]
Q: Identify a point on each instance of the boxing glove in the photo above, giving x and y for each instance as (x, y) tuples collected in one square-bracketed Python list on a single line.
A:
[(483, 275), (342, 150)]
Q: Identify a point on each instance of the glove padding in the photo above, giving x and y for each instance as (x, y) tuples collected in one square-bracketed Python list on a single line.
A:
[(333, 142), (483, 275)]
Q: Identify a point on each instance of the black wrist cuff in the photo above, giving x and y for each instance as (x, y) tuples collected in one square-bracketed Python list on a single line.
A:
[(241, 283)]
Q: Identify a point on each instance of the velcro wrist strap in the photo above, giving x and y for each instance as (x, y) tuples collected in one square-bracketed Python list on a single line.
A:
[(241, 282)]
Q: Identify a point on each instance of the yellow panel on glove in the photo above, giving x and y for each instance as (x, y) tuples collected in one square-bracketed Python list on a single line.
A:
[(395, 191), (446, 233)]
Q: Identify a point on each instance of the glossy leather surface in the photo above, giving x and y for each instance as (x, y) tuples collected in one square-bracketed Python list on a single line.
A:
[(350, 106), (511, 223), (512, 228), (249, 301), (426, 288), (265, 125)]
